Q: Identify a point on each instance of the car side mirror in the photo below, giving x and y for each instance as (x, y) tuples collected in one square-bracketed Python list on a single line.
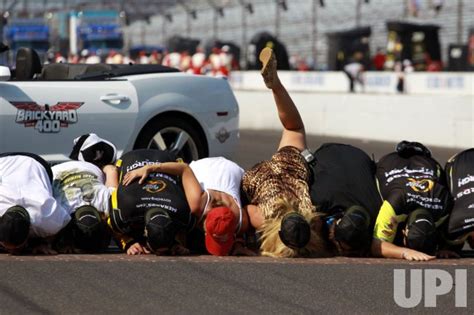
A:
[(5, 73)]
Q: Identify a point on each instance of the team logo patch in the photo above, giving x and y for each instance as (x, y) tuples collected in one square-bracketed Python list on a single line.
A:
[(423, 185), (154, 186), (222, 135), (47, 119)]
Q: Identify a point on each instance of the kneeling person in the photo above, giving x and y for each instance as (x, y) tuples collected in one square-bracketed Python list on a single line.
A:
[(343, 186), (460, 178), (413, 186), (80, 187), (83, 187), (149, 214), (27, 205)]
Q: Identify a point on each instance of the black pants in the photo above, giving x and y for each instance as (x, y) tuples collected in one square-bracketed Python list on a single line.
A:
[(351, 81)]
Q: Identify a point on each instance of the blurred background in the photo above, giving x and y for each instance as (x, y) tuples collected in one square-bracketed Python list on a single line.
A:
[(218, 36)]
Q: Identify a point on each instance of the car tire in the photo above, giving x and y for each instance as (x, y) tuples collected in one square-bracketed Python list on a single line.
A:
[(174, 134)]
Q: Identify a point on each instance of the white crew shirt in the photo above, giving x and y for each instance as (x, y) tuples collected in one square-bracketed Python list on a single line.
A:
[(25, 182), (79, 183), (218, 173)]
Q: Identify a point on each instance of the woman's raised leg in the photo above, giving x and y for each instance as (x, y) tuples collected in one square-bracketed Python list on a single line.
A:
[(293, 127)]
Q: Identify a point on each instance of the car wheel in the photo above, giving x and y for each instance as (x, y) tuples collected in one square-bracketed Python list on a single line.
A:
[(173, 134)]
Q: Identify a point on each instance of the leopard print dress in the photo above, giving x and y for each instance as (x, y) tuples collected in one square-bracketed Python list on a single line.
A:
[(285, 175)]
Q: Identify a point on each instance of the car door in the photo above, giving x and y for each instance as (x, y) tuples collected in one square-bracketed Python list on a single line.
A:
[(44, 117)]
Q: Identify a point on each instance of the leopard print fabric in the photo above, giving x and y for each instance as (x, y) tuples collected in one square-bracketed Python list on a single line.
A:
[(285, 175)]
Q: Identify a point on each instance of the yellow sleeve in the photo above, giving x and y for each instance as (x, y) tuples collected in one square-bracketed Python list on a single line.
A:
[(387, 223), (124, 240)]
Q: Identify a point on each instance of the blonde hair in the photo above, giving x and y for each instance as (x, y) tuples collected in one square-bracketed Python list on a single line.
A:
[(272, 245)]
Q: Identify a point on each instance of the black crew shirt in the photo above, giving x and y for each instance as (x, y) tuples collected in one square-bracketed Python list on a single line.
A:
[(343, 176)]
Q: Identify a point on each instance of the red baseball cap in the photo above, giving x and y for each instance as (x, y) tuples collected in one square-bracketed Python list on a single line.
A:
[(220, 231)]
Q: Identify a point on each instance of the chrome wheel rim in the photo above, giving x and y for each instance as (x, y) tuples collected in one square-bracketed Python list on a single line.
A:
[(177, 141)]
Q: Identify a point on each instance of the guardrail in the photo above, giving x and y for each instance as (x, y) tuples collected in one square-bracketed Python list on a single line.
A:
[(437, 110), (453, 83)]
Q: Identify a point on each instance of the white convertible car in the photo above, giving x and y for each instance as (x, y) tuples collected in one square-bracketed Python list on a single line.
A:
[(43, 108)]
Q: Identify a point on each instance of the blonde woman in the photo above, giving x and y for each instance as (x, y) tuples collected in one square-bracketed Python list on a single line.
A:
[(280, 205)]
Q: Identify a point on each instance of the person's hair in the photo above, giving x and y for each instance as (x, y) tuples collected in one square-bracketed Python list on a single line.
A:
[(272, 245)]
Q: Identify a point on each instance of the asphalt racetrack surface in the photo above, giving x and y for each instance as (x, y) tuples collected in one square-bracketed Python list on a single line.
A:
[(116, 283)]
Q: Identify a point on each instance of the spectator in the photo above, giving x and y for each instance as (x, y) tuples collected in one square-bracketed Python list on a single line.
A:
[(156, 57), (142, 58), (302, 65), (172, 59), (402, 69), (354, 71), (73, 58), (414, 7), (84, 55), (198, 61), (117, 58), (58, 58), (215, 61), (127, 60), (185, 62), (92, 58), (110, 57), (379, 60), (437, 5)]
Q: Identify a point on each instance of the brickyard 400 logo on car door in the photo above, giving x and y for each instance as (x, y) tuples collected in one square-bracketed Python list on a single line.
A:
[(47, 119)]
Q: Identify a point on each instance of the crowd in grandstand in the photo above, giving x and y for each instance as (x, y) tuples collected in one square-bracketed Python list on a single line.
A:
[(219, 62)]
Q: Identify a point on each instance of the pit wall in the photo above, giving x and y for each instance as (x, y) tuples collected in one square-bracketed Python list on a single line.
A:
[(437, 109)]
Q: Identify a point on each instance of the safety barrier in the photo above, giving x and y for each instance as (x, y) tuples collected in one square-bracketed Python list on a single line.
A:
[(440, 119), (430, 83)]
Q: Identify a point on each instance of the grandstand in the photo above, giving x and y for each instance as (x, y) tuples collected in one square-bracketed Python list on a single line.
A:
[(302, 25), (231, 20)]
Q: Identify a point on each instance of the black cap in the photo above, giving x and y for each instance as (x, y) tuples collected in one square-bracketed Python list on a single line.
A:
[(295, 231), (160, 229), (89, 230), (407, 149), (421, 231), (14, 225), (353, 228)]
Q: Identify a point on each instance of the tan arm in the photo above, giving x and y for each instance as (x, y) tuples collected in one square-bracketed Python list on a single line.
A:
[(388, 250), (111, 175), (255, 216)]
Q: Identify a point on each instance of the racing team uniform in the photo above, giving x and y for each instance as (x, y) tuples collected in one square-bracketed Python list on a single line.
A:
[(25, 180), (79, 183), (130, 203), (460, 176), (343, 176), (408, 183)]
